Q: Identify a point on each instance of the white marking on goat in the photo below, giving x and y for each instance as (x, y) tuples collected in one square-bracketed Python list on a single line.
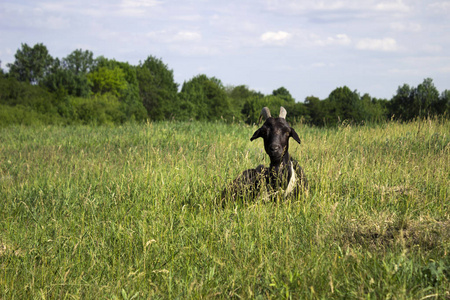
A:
[(292, 181)]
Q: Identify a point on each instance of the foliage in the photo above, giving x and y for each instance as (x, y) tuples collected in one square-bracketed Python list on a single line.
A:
[(80, 62), (105, 80), (14, 93), (204, 98), (25, 115), (31, 64), (253, 105), (410, 102), (157, 89), (443, 106), (129, 95), (52, 87), (281, 97), (129, 212), (101, 109), (70, 75), (373, 110), (62, 80), (343, 105), (297, 112), (283, 93), (237, 96)]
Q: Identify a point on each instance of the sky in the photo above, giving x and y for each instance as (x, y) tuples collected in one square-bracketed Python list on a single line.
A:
[(310, 47)]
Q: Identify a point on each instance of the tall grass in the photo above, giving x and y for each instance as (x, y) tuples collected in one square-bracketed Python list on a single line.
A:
[(130, 212)]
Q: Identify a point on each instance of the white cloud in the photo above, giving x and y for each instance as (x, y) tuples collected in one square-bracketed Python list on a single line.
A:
[(136, 8), (440, 7), (393, 6), (386, 44), (406, 27), (188, 17), (139, 3), (295, 6), (194, 50), (343, 39), (339, 39), (277, 38), (168, 36), (188, 36)]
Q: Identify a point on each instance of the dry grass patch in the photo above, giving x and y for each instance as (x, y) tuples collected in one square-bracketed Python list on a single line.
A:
[(8, 250), (384, 231), (399, 189)]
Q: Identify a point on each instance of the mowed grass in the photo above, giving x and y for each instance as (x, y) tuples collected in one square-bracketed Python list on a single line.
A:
[(131, 213)]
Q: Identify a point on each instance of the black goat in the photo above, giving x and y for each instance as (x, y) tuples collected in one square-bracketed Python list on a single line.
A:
[(284, 177)]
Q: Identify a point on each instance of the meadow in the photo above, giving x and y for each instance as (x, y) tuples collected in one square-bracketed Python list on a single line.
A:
[(132, 212)]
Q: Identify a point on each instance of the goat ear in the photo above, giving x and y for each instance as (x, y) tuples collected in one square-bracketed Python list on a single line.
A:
[(256, 135), (294, 135)]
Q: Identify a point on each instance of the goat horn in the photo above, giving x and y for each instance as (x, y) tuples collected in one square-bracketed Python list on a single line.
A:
[(283, 112), (265, 113)]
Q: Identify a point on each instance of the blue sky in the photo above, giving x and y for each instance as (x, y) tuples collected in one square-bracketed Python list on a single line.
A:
[(310, 47)]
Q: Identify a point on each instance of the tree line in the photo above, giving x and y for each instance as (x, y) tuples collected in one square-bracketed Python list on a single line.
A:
[(81, 89)]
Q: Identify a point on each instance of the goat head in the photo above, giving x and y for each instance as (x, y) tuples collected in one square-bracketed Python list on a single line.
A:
[(275, 133)]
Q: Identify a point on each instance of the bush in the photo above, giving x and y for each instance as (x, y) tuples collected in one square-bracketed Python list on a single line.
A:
[(22, 115), (104, 109)]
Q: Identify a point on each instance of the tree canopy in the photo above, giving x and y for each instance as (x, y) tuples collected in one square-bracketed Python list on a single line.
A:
[(80, 88), (157, 88), (204, 99), (32, 63)]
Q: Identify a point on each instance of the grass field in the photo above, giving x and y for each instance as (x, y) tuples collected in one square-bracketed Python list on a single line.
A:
[(131, 213)]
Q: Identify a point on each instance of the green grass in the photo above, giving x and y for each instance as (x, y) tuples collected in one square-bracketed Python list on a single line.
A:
[(130, 212)]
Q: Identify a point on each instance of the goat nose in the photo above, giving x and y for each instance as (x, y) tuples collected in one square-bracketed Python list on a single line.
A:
[(275, 147)]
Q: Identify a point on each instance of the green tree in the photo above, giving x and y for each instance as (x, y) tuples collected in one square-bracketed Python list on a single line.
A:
[(157, 89), (241, 92), (237, 96), (79, 62), (342, 105), (443, 106), (64, 81), (206, 98), (252, 107), (372, 109), (284, 94), (409, 103), (120, 81), (105, 80), (315, 111), (296, 112), (31, 63), (69, 76), (402, 103), (426, 96), (24, 100)]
